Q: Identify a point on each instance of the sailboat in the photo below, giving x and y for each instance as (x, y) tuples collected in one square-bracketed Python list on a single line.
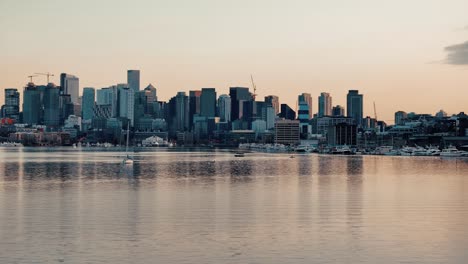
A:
[(127, 160)]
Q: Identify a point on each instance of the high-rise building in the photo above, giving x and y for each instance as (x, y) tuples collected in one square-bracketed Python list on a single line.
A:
[(238, 96), (11, 106), (181, 112), (224, 106), (127, 104), (208, 102), (88, 101), (338, 111), (194, 105), (133, 80), (51, 106), (151, 93), (325, 105), (287, 112), (273, 101), (270, 117), (354, 106), (307, 99), (70, 84), (32, 105)]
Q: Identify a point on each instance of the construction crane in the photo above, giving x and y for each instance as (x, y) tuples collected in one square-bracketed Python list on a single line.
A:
[(31, 77), (48, 74), (375, 112), (254, 95)]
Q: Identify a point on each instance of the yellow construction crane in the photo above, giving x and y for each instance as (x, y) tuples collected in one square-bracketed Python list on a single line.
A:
[(254, 95), (48, 74)]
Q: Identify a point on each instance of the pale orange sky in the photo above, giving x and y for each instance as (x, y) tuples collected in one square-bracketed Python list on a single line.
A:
[(392, 51)]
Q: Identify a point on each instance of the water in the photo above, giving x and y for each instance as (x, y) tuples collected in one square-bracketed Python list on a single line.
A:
[(72, 206)]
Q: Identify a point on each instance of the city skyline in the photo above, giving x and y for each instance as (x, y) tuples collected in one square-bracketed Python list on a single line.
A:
[(304, 47)]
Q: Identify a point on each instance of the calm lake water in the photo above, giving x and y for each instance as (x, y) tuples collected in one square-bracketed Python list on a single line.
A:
[(72, 206)]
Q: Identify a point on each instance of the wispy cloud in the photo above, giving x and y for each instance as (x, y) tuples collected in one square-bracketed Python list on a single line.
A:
[(457, 54)]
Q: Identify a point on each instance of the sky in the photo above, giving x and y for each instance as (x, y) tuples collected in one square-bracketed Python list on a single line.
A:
[(402, 55)]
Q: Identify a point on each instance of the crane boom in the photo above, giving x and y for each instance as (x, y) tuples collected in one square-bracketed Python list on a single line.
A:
[(31, 78), (254, 95), (48, 74)]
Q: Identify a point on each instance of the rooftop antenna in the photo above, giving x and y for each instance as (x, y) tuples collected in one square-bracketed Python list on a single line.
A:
[(48, 74)]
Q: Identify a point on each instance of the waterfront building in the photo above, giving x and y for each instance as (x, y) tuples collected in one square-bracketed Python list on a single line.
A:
[(127, 104), (224, 106), (354, 106), (51, 106), (32, 105), (11, 107), (322, 123), (325, 105), (270, 117), (238, 96), (70, 84), (133, 80), (400, 118), (338, 111), (306, 98), (342, 134), (287, 112), (208, 102), (273, 101), (87, 106), (287, 132)]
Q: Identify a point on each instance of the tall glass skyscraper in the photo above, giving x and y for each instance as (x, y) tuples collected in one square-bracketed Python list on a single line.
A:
[(307, 98), (224, 106), (133, 80), (208, 102), (87, 105), (325, 105), (51, 106), (70, 84), (32, 105), (238, 96), (354, 106)]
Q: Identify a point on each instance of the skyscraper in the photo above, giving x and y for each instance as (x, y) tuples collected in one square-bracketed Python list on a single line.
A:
[(70, 84), (307, 98), (194, 105), (208, 102), (11, 107), (273, 101), (354, 106), (224, 106), (181, 112), (127, 104), (133, 80), (87, 105), (32, 105), (51, 106), (238, 96), (325, 105)]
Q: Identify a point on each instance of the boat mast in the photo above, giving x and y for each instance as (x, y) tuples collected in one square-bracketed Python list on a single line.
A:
[(128, 136)]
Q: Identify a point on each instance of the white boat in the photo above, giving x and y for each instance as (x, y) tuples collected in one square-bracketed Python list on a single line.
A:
[(154, 141), (451, 152), (127, 160)]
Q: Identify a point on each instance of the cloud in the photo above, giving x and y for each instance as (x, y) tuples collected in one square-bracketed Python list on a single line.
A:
[(457, 54)]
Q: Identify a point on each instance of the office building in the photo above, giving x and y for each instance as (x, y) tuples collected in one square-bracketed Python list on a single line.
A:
[(325, 105), (70, 84), (11, 106), (51, 106), (87, 104), (238, 96), (127, 104), (224, 106), (354, 106), (400, 118), (133, 80), (287, 132), (273, 101), (342, 134), (32, 105), (208, 102), (287, 112), (338, 111), (307, 99)]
